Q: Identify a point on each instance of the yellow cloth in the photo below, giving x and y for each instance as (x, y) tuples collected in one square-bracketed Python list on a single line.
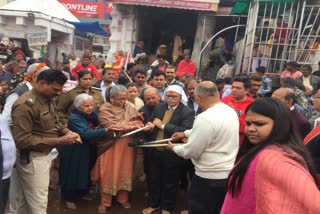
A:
[(166, 118), (306, 81)]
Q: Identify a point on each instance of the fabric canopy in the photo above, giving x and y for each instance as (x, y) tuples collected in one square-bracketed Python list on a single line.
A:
[(49, 7), (242, 6), (90, 27), (206, 5)]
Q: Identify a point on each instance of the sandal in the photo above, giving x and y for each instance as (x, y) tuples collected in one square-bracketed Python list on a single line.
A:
[(102, 209), (149, 210), (71, 205), (125, 205)]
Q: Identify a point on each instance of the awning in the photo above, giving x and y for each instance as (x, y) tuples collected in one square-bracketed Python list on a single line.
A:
[(207, 5), (242, 6), (91, 27)]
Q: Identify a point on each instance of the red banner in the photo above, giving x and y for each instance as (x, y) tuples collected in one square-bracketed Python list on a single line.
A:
[(93, 10), (182, 4)]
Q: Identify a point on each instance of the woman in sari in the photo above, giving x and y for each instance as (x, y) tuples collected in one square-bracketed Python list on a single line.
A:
[(114, 167), (274, 172)]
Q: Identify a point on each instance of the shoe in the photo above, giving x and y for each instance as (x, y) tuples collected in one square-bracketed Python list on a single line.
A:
[(149, 210), (71, 205), (102, 209), (125, 205)]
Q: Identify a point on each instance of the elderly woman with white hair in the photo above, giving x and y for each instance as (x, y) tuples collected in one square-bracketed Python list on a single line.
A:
[(75, 158), (114, 167)]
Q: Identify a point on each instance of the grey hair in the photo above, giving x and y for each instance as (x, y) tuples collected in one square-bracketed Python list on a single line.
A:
[(81, 98), (206, 91), (290, 95), (116, 90), (151, 89)]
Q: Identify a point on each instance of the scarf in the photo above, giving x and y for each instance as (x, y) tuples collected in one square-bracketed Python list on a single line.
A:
[(91, 118)]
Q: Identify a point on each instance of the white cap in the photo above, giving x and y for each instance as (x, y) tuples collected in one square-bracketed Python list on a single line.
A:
[(37, 68), (179, 90)]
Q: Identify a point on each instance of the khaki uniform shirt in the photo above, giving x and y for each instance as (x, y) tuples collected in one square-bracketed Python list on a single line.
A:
[(65, 101), (35, 125)]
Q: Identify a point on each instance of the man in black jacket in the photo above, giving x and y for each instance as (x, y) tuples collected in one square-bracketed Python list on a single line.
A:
[(165, 166)]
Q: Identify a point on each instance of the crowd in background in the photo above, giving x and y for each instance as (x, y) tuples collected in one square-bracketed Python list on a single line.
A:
[(81, 109)]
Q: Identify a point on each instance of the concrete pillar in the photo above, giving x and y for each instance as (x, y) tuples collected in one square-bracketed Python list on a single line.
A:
[(205, 30), (123, 30)]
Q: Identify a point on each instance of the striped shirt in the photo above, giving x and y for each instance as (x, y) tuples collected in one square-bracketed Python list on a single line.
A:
[(8, 148)]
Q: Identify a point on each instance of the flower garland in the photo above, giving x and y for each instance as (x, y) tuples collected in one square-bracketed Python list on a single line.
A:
[(33, 73)]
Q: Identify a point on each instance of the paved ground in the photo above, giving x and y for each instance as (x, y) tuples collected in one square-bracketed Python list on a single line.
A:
[(137, 198)]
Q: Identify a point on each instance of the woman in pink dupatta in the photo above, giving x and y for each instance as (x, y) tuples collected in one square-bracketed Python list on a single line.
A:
[(274, 172), (114, 167)]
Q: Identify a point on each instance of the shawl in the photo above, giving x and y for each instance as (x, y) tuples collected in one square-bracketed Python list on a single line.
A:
[(113, 115)]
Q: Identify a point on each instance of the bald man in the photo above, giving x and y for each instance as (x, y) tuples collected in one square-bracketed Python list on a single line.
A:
[(212, 146), (152, 98), (287, 96)]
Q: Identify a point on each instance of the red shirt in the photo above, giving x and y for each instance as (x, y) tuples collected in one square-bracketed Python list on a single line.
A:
[(89, 67), (185, 67), (240, 108)]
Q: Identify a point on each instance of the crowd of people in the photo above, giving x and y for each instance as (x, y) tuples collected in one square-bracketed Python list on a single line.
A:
[(243, 145)]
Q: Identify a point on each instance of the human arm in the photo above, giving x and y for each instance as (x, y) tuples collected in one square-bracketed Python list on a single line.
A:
[(197, 142), (186, 118), (8, 107), (79, 125), (266, 87), (289, 180), (63, 103), (26, 137)]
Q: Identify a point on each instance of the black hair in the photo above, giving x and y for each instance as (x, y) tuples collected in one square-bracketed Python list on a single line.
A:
[(261, 69), (308, 67), (289, 82), (228, 80), (220, 81), (255, 77), (131, 65), (84, 72), (283, 134), (104, 71), (131, 84), (244, 78), (158, 73), (140, 71), (52, 75), (293, 64)]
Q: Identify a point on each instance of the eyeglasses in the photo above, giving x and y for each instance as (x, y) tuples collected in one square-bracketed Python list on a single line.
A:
[(172, 96)]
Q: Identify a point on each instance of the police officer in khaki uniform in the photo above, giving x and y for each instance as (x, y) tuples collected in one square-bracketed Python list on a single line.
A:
[(36, 131), (65, 101)]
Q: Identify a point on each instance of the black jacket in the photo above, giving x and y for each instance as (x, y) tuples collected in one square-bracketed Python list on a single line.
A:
[(181, 120), (191, 105)]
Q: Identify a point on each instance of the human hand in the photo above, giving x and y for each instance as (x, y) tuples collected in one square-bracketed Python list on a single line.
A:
[(177, 136), (69, 138), (158, 123), (113, 128), (170, 146), (150, 126)]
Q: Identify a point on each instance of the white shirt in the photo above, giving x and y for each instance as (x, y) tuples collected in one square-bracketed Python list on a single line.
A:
[(104, 88), (213, 142), (8, 148), (9, 103)]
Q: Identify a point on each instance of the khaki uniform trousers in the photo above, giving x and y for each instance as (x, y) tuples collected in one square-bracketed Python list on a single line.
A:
[(34, 181)]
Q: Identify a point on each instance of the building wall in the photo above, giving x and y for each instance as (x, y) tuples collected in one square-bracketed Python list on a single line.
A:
[(123, 32), (205, 30), (4, 2)]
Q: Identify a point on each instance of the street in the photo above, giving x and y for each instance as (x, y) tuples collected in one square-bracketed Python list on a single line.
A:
[(137, 199)]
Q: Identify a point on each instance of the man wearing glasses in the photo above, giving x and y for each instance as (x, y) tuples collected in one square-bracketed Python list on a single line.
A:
[(165, 166)]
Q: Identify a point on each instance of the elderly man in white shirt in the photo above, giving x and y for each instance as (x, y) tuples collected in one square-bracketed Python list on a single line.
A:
[(212, 145)]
